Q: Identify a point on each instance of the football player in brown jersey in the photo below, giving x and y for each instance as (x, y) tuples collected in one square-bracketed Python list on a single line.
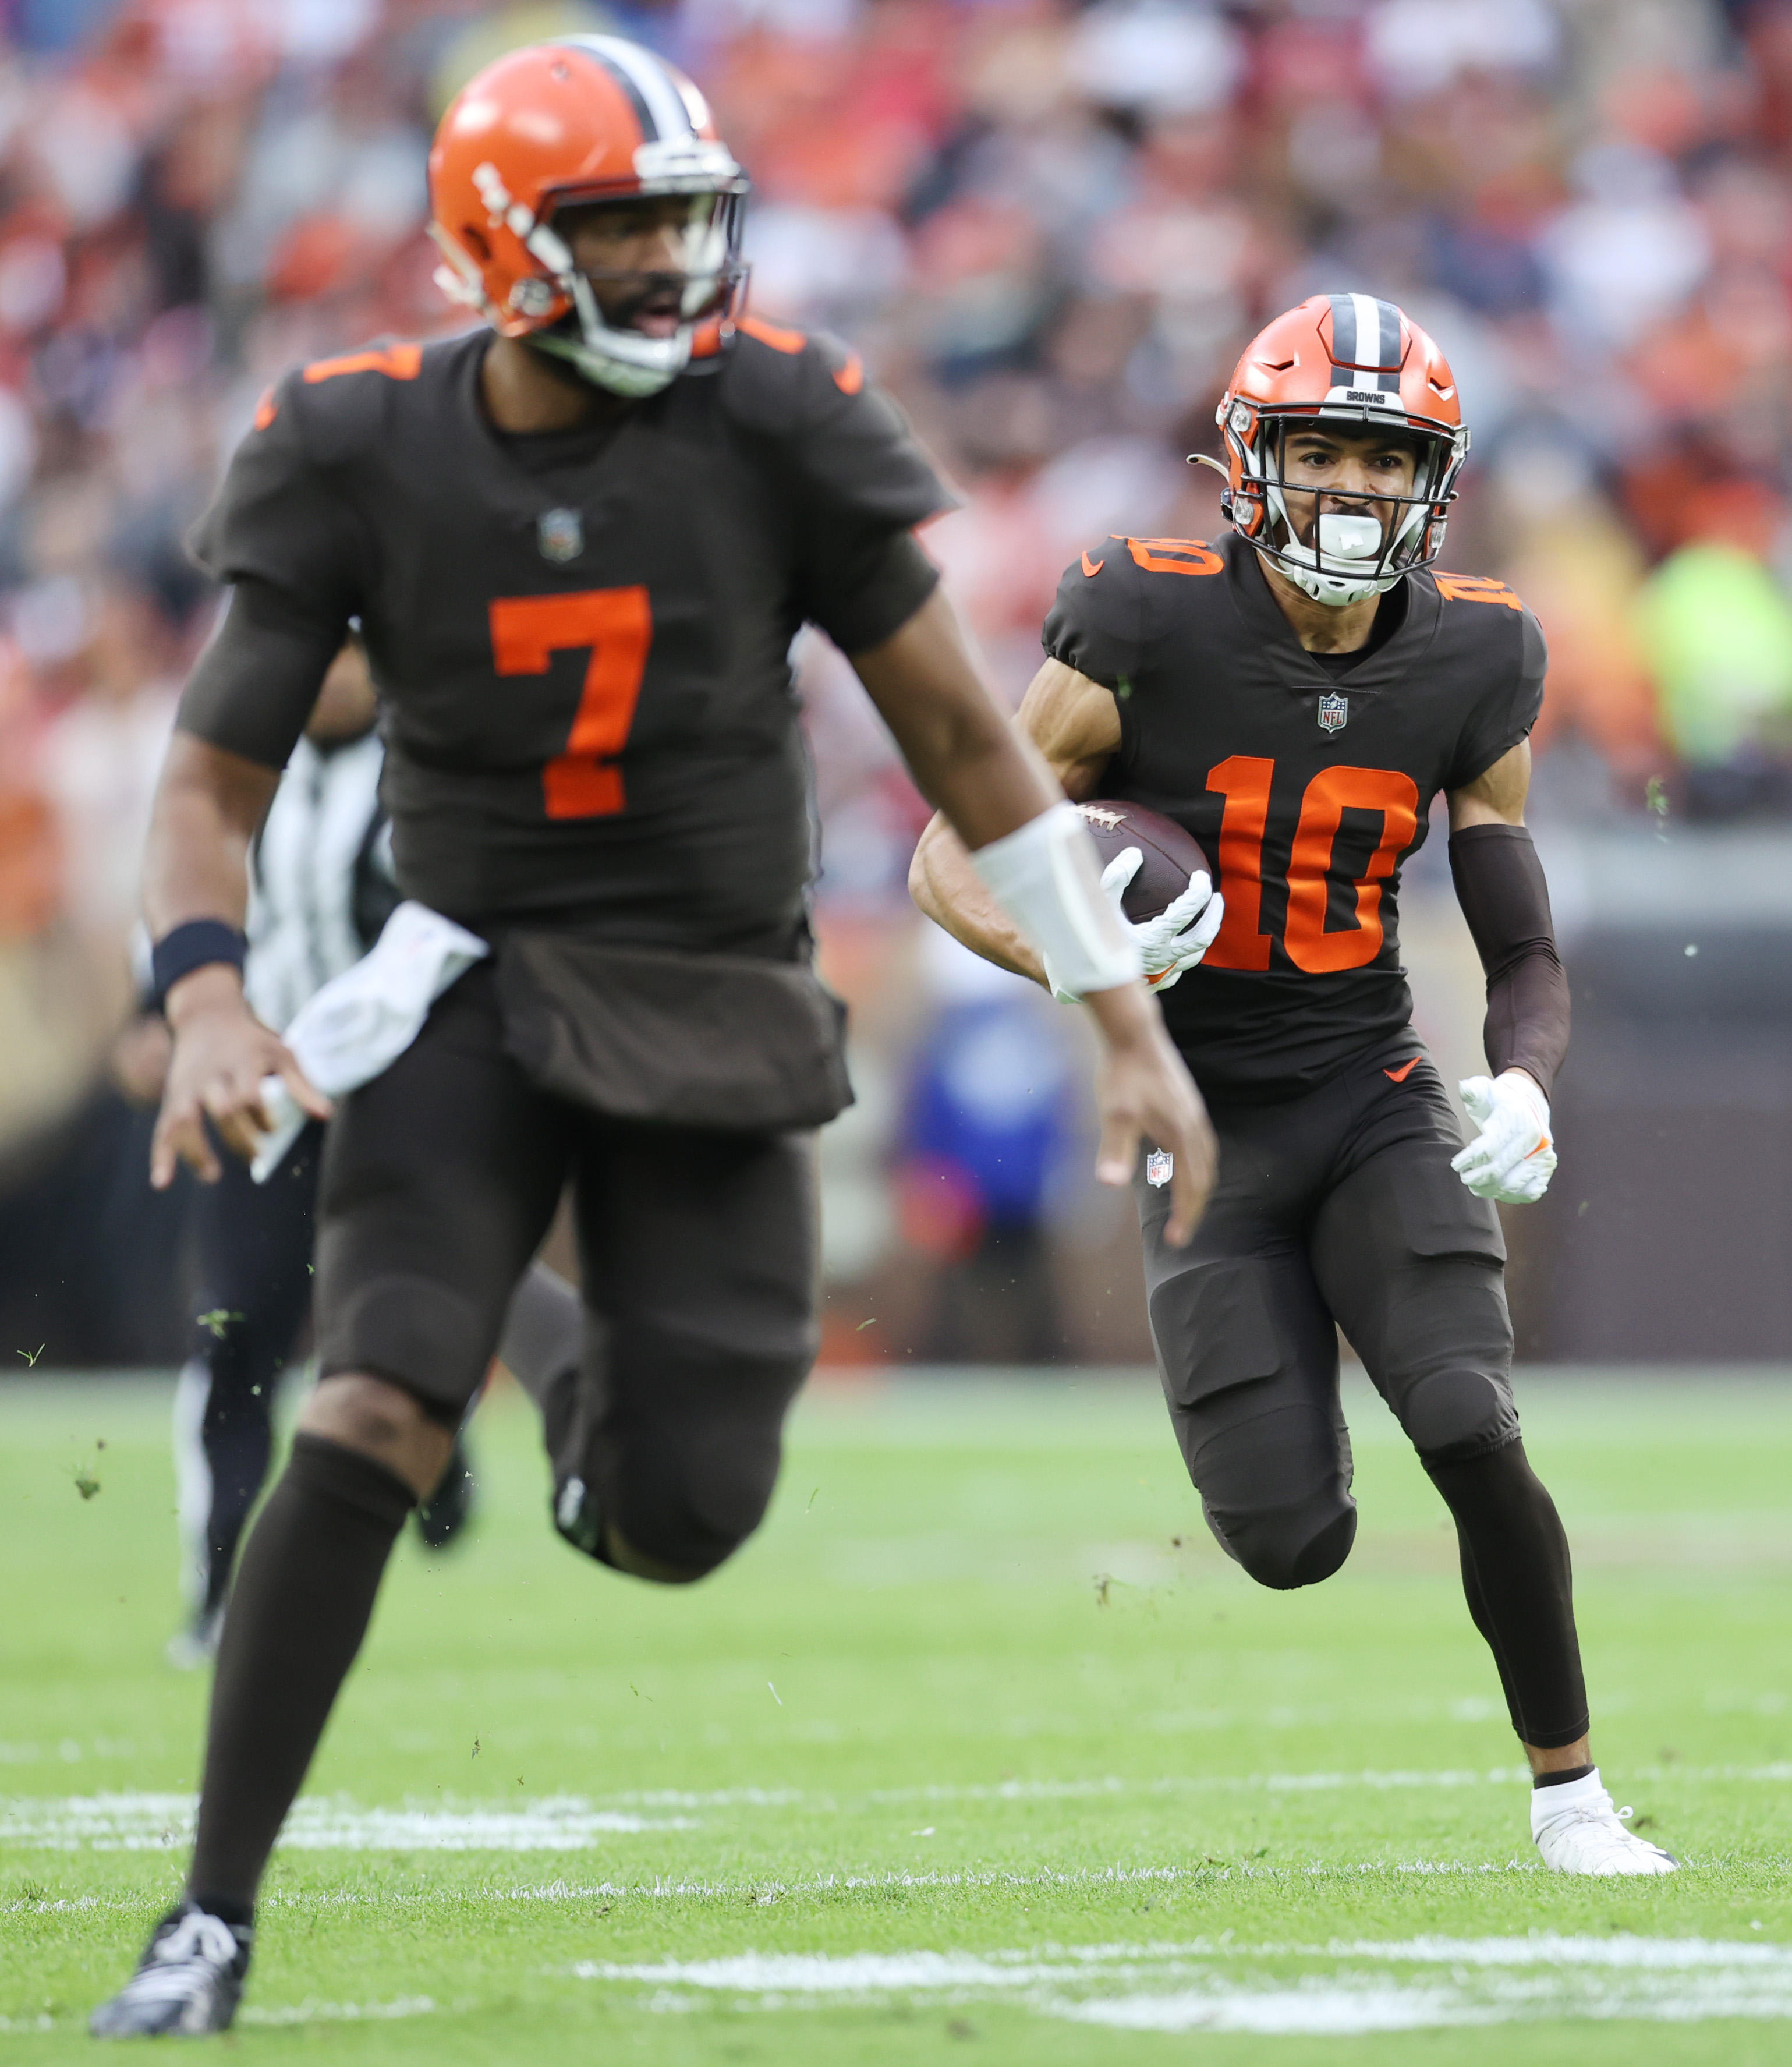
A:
[(1295, 697), (578, 539)]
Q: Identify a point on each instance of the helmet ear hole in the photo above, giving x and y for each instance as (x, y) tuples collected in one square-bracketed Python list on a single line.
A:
[(475, 241)]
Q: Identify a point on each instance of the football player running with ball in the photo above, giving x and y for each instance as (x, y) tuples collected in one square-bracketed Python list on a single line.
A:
[(578, 540), (1295, 699)]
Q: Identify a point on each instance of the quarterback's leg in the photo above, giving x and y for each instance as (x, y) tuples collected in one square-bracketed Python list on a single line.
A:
[(544, 1347), (700, 1260), (439, 1180), (255, 1248), (1248, 1354), (1412, 1263)]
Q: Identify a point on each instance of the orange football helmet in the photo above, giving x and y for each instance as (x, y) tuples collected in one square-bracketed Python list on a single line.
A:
[(1350, 360), (559, 125)]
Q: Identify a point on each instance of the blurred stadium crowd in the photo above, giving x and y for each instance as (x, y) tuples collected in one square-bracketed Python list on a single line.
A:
[(1050, 229)]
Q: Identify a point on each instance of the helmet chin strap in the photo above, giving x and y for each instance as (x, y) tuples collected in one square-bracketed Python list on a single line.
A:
[(606, 366)]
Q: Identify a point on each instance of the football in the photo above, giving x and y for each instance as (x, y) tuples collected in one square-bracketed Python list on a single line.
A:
[(1171, 855)]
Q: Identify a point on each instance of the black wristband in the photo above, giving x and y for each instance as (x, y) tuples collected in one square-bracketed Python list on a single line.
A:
[(193, 945)]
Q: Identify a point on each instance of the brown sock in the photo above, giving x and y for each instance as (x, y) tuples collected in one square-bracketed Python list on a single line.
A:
[(300, 1608)]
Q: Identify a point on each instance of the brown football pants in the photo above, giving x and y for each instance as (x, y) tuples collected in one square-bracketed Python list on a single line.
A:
[(697, 1253), (1339, 1208)]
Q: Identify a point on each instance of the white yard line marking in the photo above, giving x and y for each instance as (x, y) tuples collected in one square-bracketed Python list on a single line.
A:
[(1341, 2007), (1549, 1948), (1307, 2012), (158, 1822), (854, 1973), (1678, 1980), (309, 2011)]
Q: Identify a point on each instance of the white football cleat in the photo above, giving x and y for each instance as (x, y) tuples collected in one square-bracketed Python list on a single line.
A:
[(1579, 1831), (196, 1645)]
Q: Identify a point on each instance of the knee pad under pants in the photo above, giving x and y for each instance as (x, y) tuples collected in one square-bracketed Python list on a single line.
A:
[(1249, 1357), (683, 1462), (699, 1261), (1409, 1262)]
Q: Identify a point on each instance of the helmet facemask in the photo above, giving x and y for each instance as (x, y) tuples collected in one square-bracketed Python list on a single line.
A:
[(611, 350), (1362, 549)]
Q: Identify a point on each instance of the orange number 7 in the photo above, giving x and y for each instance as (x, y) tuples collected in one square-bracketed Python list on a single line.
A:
[(617, 625)]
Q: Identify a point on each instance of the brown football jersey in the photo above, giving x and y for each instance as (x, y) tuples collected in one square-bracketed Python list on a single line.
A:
[(1312, 783), (581, 639)]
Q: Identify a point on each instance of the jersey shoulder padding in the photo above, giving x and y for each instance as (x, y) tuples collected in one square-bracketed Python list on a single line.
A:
[(287, 512), (1124, 595), (1486, 638), (848, 447)]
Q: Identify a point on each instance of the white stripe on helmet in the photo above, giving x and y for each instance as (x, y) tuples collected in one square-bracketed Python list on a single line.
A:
[(649, 78)]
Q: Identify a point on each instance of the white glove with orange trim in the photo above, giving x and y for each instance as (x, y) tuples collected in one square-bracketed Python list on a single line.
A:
[(1181, 934), (1512, 1159)]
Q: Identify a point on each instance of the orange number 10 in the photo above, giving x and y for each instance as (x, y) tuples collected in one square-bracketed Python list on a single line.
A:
[(1329, 795), (617, 625), (1244, 781)]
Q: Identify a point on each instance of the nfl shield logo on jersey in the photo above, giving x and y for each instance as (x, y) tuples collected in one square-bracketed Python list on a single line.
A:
[(561, 535), (1160, 1166), (1334, 710)]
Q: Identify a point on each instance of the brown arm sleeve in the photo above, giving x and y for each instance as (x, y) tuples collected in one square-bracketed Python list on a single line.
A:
[(1500, 886)]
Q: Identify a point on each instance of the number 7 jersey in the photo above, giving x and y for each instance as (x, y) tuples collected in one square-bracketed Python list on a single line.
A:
[(581, 639), (1311, 788)]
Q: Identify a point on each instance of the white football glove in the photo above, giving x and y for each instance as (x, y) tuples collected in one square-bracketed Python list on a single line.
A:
[(1511, 1159), (1165, 949)]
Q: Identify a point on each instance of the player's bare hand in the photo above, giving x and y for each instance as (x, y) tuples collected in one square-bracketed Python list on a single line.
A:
[(221, 1054), (139, 1060), (1143, 1089)]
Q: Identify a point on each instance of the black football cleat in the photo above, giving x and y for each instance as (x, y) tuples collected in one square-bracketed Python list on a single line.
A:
[(577, 1519), (565, 1401), (449, 1508), (187, 1982)]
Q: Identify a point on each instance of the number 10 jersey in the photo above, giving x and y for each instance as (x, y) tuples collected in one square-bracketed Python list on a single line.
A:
[(1310, 788)]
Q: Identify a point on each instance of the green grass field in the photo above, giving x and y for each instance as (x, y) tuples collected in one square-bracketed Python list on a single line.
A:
[(981, 1750)]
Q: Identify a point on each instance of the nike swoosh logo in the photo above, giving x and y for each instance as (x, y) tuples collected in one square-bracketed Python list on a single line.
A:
[(1091, 568), (1399, 1076)]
